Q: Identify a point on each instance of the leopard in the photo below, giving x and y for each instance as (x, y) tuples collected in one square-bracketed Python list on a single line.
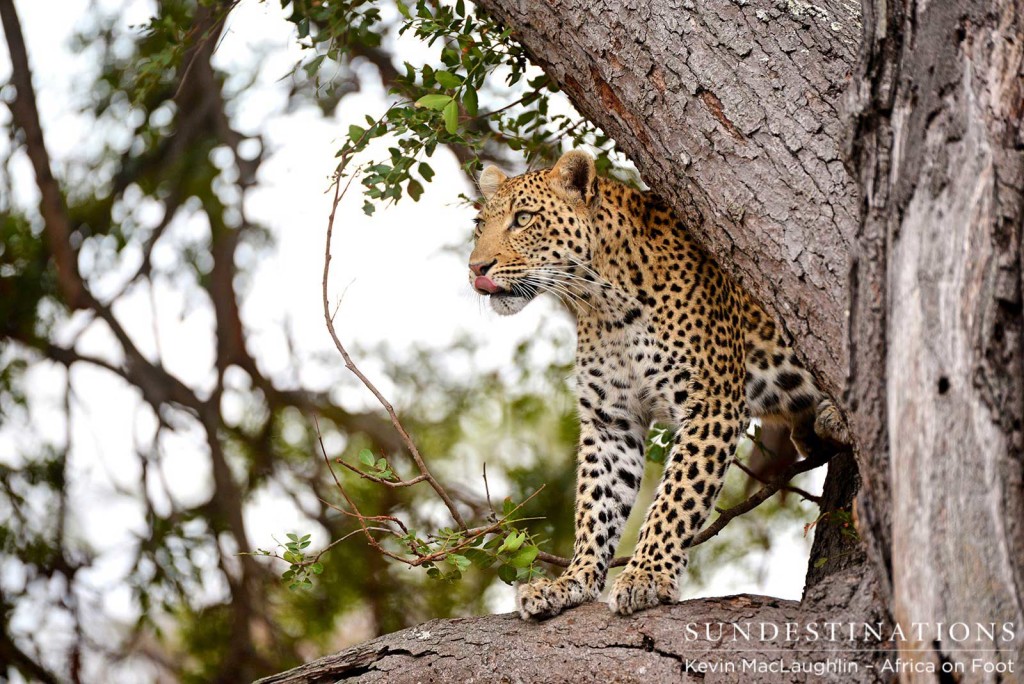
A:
[(663, 335)]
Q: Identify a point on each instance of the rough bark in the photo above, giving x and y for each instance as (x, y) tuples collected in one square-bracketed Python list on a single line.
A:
[(937, 311), (587, 644)]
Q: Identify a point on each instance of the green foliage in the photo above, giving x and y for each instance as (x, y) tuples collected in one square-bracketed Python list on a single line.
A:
[(377, 467), (27, 277), (439, 103)]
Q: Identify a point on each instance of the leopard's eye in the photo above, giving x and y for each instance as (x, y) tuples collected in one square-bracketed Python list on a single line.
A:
[(522, 219), (478, 227)]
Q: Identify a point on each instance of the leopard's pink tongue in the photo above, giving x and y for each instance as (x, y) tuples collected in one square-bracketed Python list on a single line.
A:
[(485, 285)]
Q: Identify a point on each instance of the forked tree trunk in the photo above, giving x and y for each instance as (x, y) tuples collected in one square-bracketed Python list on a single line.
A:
[(866, 186)]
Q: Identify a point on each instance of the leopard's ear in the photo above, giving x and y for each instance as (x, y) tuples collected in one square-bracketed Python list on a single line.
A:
[(575, 176), (490, 180)]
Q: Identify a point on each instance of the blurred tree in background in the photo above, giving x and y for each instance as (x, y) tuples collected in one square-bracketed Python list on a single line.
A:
[(168, 152)]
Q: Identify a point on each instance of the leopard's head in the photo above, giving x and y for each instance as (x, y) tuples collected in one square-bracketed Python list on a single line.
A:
[(534, 233)]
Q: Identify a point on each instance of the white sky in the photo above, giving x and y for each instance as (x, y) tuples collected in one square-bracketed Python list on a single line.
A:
[(400, 286)]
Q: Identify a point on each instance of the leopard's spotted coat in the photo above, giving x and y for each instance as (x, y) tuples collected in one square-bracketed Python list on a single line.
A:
[(663, 335)]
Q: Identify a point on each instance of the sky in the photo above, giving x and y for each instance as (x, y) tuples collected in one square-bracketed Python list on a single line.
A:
[(413, 292)]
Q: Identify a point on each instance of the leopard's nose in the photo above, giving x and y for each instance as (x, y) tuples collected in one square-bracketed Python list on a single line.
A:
[(481, 268)]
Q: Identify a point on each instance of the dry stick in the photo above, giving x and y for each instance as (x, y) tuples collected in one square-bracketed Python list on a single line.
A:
[(725, 516), (786, 488), (350, 364), (487, 490)]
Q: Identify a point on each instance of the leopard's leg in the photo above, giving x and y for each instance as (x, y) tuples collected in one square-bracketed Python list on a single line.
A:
[(610, 464), (693, 478)]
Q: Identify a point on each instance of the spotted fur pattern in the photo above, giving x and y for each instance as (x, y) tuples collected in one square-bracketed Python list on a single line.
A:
[(663, 335)]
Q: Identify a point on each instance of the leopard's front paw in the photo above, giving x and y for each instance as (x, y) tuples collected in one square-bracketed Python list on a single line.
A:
[(830, 424), (544, 598), (637, 589)]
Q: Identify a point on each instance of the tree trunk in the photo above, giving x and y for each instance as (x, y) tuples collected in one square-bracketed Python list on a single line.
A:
[(937, 380), (868, 191)]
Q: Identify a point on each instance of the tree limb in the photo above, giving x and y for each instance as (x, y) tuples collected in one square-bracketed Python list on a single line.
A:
[(25, 114), (588, 642)]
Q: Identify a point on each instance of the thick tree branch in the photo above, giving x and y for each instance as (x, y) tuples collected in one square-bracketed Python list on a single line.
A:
[(25, 114), (588, 643)]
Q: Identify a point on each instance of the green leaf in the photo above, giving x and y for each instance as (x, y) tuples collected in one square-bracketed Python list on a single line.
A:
[(469, 101), (434, 101), (513, 541), (525, 557), (447, 79), (507, 506), (507, 574), (366, 458), (461, 562), (355, 133), (316, 568), (821, 561), (415, 190), (426, 172), (478, 557), (368, 208), (451, 117)]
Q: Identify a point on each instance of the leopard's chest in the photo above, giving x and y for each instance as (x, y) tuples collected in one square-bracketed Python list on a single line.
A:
[(641, 365)]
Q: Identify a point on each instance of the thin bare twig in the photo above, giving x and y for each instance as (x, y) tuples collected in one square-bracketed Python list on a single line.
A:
[(487, 491), (339, 193)]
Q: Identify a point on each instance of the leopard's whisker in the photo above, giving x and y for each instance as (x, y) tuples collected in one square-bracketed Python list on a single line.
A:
[(557, 288)]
